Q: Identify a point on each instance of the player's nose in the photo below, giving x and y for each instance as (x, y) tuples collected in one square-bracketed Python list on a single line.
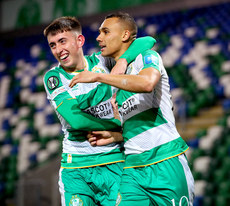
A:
[(98, 38)]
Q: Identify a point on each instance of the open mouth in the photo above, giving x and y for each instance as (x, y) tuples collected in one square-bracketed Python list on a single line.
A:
[(102, 47), (64, 57)]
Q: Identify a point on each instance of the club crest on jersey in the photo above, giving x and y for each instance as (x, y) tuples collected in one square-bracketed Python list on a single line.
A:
[(98, 70), (52, 82), (76, 201), (151, 59)]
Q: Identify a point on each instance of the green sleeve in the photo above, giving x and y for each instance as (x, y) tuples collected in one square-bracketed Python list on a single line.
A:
[(139, 45), (80, 120)]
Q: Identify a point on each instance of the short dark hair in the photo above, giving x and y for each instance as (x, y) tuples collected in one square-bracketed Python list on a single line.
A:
[(66, 23), (127, 20)]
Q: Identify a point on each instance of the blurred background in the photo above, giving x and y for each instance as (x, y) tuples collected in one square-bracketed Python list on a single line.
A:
[(193, 38)]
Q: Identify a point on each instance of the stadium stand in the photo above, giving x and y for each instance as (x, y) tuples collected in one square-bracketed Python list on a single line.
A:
[(195, 47)]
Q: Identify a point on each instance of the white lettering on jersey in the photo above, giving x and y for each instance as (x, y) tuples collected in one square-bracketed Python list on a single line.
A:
[(103, 110), (129, 105)]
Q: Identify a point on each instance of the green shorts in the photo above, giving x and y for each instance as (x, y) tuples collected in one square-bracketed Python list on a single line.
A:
[(90, 186), (168, 183)]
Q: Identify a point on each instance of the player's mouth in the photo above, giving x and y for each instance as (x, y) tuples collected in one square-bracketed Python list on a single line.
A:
[(102, 47), (64, 57)]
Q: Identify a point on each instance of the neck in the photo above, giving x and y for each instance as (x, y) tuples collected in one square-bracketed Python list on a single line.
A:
[(122, 50), (81, 64)]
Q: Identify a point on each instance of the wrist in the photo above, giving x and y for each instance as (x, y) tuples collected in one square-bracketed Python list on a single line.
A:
[(123, 60), (99, 77), (117, 136)]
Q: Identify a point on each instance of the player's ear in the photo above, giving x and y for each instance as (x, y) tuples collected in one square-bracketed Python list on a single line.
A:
[(81, 40), (126, 35)]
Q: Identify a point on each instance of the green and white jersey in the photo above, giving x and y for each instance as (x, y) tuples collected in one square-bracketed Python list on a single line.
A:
[(149, 129), (69, 104)]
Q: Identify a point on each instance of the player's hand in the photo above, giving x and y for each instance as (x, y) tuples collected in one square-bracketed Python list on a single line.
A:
[(100, 138), (83, 77), (120, 67)]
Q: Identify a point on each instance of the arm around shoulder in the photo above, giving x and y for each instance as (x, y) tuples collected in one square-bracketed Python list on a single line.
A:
[(138, 46)]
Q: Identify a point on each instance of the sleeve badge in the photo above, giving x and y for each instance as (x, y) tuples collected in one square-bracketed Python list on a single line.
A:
[(151, 59), (52, 82)]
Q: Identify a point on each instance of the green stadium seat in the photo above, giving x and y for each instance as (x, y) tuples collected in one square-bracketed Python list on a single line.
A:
[(224, 188), (10, 188), (197, 153), (210, 189), (222, 151), (219, 175), (221, 200), (208, 201)]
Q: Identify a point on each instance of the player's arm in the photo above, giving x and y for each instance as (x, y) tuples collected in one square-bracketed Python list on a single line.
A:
[(66, 105), (139, 45), (80, 120), (145, 81)]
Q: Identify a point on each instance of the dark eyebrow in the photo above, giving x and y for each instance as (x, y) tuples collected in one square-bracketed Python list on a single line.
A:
[(103, 28), (61, 39)]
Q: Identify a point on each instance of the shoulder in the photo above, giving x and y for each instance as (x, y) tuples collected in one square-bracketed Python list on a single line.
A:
[(150, 52), (151, 57), (53, 71), (146, 59), (95, 57)]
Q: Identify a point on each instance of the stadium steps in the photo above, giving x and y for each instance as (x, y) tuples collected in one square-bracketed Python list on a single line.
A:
[(206, 118)]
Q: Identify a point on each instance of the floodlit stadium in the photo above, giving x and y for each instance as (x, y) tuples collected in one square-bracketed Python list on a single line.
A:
[(193, 39)]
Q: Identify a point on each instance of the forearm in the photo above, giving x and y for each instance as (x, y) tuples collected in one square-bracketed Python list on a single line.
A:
[(133, 83), (145, 81), (139, 45), (120, 67), (80, 120)]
